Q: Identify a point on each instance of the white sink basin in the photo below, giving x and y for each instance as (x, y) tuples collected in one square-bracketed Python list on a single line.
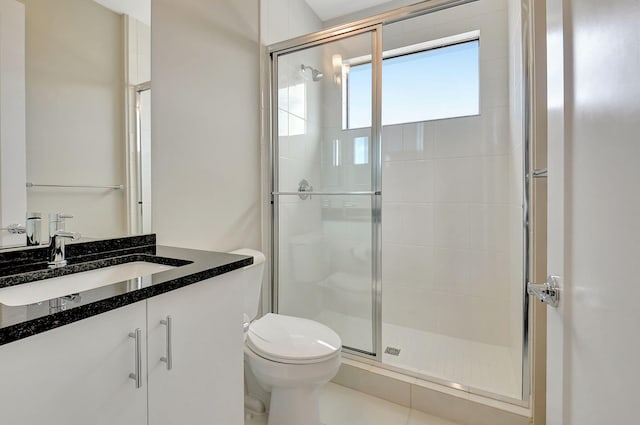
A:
[(42, 290)]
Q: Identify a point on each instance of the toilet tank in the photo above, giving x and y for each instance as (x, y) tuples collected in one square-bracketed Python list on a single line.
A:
[(252, 281), (309, 258)]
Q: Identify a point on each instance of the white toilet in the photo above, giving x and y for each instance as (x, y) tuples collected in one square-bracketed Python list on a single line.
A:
[(290, 357)]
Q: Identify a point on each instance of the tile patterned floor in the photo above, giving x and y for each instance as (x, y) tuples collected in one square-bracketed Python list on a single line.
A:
[(343, 406)]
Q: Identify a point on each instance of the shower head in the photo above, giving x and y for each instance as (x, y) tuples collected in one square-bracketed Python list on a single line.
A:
[(315, 74)]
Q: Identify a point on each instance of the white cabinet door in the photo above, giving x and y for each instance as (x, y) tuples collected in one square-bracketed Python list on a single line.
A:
[(205, 384), (77, 374)]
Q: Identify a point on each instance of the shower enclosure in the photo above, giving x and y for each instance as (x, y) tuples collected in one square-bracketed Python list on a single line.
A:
[(398, 153)]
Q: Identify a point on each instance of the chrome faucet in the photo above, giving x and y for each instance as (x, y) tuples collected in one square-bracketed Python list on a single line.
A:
[(57, 237)]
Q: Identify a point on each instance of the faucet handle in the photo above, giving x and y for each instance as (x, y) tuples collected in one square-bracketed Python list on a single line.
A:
[(62, 216), (59, 216), (57, 222)]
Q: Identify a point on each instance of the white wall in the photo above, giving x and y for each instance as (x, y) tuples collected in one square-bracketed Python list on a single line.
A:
[(138, 50), (75, 115), (285, 19), (205, 123), (594, 205), (370, 11)]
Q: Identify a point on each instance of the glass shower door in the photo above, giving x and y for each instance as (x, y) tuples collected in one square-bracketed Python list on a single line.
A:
[(326, 187)]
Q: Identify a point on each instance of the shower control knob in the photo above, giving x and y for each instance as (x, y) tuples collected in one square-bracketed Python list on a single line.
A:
[(303, 187)]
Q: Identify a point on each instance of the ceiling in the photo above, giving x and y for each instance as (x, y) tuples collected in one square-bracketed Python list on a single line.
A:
[(139, 9), (329, 9), (325, 9)]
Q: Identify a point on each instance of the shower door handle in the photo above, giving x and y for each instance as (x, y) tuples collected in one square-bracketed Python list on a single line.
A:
[(304, 187), (548, 292)]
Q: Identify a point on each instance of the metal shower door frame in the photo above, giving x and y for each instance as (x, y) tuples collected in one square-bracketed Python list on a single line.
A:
[(372, 24), (378, 22), (376, 173)]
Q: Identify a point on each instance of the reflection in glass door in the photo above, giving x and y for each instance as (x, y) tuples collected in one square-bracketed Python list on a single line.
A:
[(327, 189), (143, 155)]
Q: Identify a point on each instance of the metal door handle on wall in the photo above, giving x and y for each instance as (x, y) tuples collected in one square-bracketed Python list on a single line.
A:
[(548, 292)]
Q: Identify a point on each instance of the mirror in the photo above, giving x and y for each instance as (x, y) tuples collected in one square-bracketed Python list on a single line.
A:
[(81, 70)]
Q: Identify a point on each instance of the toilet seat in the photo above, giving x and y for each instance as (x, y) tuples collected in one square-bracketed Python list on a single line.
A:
[(292, 340)]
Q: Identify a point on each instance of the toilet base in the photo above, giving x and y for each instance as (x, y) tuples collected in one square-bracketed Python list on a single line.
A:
[(294, 388), (294, 406)]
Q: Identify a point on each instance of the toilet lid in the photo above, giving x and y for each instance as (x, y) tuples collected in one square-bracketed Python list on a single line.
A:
[(287, 339)]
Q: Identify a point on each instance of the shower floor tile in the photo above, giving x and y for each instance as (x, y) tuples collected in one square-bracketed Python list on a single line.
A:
[(343, 406), (492, 368)]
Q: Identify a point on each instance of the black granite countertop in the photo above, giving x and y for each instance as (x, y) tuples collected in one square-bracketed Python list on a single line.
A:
[(29, 265)]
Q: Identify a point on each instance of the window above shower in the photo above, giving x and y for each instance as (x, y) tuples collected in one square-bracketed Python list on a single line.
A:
[(434, 80)]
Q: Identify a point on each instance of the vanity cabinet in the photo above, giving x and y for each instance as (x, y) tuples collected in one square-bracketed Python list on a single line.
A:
[(78, 374), (204, 384)]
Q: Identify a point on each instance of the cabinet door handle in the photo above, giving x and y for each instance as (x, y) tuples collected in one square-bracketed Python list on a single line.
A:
[(168, 359), (137, 375)]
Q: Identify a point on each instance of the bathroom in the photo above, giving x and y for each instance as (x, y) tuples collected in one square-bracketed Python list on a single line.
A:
[(211, 183)]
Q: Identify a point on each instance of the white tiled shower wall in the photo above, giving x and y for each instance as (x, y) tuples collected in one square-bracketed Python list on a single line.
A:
[(452, 197), (298, 154)]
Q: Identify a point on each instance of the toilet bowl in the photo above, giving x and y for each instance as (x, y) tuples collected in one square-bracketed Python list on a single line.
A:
[(290, 357)]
